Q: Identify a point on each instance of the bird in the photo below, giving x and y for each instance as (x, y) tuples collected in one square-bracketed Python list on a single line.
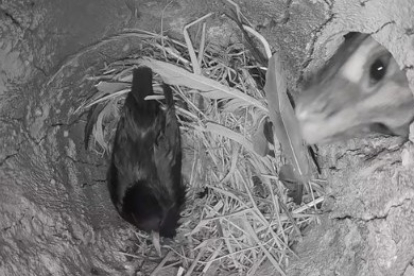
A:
[(361, 90), (144, 175)]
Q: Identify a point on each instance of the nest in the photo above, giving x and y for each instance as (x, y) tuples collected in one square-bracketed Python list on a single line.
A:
[(238, 216)]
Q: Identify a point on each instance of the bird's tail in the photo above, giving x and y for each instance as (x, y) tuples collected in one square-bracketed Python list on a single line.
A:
[(170, 222), (141, 84)]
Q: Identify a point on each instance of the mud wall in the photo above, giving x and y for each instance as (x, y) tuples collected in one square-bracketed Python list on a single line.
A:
[(55, 214)]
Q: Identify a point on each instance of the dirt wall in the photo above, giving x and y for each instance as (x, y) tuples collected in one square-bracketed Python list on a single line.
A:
[(55, 214)]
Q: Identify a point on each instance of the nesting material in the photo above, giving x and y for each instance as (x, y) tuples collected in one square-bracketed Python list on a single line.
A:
[(237, 215)]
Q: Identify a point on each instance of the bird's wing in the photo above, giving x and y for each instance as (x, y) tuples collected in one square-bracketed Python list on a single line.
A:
[(167, 149)]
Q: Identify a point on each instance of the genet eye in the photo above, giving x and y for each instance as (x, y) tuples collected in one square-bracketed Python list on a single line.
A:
[(377, 71)]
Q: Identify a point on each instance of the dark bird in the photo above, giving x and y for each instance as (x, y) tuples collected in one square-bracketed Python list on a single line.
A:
[(144, 177)]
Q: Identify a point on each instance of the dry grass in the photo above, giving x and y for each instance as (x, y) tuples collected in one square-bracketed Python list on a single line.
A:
[(245, 219)]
